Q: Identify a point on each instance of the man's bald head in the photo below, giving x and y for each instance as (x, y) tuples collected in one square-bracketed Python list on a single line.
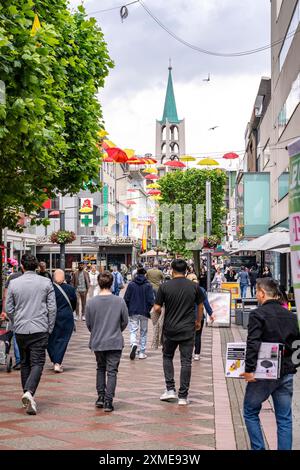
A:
[(59, 276)]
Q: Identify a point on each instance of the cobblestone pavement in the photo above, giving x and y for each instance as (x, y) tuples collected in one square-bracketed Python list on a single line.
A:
[(67, 418)]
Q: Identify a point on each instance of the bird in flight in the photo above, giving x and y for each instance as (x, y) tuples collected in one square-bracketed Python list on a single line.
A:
[(213, 128), (207, 79)]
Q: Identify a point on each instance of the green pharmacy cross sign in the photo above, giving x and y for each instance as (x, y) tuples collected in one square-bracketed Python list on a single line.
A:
[(87, 220)]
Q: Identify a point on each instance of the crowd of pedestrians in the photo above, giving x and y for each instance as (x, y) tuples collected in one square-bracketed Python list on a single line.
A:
[(41, 309)]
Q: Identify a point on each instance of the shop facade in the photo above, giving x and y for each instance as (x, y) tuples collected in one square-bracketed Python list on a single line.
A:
[(105, 252)]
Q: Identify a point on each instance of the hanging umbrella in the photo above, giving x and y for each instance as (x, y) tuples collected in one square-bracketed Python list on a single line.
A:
[(108, 160), (156, 198), (153, 186), (230, 156), (187, 158), (130, 202), (102, 133), (117, 155), (208, 162), (175, 164), (131, 190), (129, 152), (150, 170), (135, 161), (106, 144), (151, 177), (149, 161), (154, 192)]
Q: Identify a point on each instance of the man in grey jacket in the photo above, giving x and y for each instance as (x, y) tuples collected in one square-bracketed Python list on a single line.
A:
[(31, 307)]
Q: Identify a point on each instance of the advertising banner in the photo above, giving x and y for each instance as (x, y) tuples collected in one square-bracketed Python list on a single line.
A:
[(221, 305), (294, 211), (234, 288)]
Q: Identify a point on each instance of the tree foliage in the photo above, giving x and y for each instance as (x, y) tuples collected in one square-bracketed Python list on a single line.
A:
[(188, 187), (51, 114)]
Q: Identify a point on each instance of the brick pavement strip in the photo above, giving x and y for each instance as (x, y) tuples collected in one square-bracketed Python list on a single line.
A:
[(67, 418)]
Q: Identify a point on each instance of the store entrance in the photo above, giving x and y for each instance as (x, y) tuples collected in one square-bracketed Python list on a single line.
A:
[(115, 260)]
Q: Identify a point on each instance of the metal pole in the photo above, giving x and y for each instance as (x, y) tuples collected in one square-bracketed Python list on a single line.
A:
[(62, 245), (208, 231)]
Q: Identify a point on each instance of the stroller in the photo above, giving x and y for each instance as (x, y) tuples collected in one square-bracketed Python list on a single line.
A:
[(5, 345)]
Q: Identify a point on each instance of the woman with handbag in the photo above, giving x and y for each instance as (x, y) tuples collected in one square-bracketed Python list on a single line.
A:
[(66, 300)]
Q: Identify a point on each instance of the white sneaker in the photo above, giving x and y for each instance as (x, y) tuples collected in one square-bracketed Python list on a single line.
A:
[(142, 355), (197, 357), (168, 395), (183, 401), (29, 403), (58, 368)]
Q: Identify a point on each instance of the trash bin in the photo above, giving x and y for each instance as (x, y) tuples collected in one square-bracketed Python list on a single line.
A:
[(238, 312), (248, 305)]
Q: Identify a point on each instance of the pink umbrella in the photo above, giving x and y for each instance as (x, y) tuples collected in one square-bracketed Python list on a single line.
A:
[(131, 190), (151, 177), (230, 156), (154, 192), (130, 202), (175, 164)]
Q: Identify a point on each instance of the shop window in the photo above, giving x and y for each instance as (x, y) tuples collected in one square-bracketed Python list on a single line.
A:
[(283, 185)]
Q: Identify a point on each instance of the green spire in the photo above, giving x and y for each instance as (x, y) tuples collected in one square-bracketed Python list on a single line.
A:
[(170, 111)]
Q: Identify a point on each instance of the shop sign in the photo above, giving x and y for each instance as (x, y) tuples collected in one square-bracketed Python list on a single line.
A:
[(108, 241), (86, 205), (294, 210)]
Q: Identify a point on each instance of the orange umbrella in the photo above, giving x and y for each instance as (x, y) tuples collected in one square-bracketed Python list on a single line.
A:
[(149, 161), (117, 155)]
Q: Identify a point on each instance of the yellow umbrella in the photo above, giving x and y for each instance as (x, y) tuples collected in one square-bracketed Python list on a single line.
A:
[(208, 162), (153, 186), (156, 198), (102, 133), (187, 158), (129, 152), (109, 143), (150, 170)]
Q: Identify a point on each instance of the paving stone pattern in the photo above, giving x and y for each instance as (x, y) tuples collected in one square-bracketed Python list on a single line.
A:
[(67, 418)]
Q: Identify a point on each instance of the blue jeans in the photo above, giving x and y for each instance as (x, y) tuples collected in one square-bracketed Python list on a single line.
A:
[(243, 290), (136, 323), (281, 391), (16, 351)]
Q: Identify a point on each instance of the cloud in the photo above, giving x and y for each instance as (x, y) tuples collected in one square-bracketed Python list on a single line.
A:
[(135, 90)]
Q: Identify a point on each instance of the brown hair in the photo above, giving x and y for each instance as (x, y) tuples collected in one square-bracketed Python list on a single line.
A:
[(105, 280)]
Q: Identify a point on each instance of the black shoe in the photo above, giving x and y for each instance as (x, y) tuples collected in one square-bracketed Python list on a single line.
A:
[(133, 352), (17, 366), (100, 401), (108, 406)]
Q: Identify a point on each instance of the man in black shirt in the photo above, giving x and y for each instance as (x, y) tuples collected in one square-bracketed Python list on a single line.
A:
[(270, 323), (43, 270), (179, 297)]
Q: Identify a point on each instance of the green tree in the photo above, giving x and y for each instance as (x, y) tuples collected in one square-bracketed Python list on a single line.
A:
[(188, 187), (51, 114)]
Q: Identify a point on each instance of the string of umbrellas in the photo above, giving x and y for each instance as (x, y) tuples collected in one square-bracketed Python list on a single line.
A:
[(113, 154)]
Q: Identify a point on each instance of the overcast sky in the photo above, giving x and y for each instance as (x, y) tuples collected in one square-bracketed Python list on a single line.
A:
[(134, 94)]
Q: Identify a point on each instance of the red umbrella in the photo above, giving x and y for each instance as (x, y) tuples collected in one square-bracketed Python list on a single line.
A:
[(130, 202), (131, 190), (230, 156), (117, 155), (108, 160), (175, 164), (151, 177), (154, 192)]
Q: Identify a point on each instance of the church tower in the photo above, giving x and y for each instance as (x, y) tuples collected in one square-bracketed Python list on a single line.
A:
[(170, 131)]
